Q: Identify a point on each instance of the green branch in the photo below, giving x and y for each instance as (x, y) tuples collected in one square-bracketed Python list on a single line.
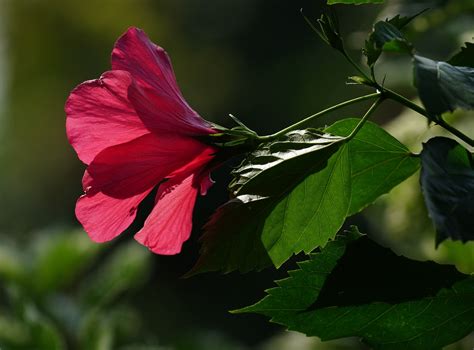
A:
[(317, 115)]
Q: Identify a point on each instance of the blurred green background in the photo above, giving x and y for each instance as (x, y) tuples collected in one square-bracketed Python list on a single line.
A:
[(256, 59)]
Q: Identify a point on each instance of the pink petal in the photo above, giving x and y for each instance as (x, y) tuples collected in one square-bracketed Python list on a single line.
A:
[(104, 217), (170, 223), (206, 183), (148, 63), (157, 99), (125, 170), (99, 115)]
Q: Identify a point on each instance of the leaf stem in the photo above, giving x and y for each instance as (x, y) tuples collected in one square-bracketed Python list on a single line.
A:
[(355, 65), (366, 117), (440, 121), (316, 115)]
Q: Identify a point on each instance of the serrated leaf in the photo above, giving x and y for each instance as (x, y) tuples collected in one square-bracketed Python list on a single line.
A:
[(389, 38), (227, 246), (379, 162), (443, 87), (281, 160), (447, 181), (304, 169), (355, 2), (428, 322), (464, 58), (386, 36), (277, 223)]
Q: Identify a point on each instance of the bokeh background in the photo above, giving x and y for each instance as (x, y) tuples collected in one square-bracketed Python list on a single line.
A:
[(256, 59)]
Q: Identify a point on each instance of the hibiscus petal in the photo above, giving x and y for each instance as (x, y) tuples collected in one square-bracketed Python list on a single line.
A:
[(99, 115), (206, 183), (170, 223), (148, 63), (157, 97), (128, 169), (104, 217)]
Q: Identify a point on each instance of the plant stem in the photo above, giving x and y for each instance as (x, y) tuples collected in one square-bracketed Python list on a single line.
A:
[(316, 115), (440, 121), (404, 101), (366, 117), (356, 66)]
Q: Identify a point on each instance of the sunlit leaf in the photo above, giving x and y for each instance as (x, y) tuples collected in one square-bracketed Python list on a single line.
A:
[(447, 180), (293, 196), (415, 310), (379, 162), (280, 215), (443, 87)]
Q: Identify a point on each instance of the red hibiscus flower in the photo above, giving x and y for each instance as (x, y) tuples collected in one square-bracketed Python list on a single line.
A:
[(134, 130)]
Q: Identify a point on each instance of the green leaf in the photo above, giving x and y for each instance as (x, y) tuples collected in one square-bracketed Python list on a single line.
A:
[(304, 169), (379, 162), (282, 160), (447, 180), (307, 300), (443, 87), (227, 246), (387, 36), (465, 58), (293, 195), (355, 2)]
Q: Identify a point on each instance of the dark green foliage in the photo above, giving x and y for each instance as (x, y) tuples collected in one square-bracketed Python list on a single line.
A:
[(443, 87), (48, 308), (465, 58), (447, 180), (420, 313), (303, 170), (387, 36)]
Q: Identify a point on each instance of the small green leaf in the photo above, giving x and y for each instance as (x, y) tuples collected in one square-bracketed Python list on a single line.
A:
[(443, 87), (387, 36), (465, 58), (428, 318), (355, 2), (447, 180), (379, 162)]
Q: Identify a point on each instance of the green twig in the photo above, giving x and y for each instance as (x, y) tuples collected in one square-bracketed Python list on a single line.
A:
[(366, 117), (316, 115), (440, 121)]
